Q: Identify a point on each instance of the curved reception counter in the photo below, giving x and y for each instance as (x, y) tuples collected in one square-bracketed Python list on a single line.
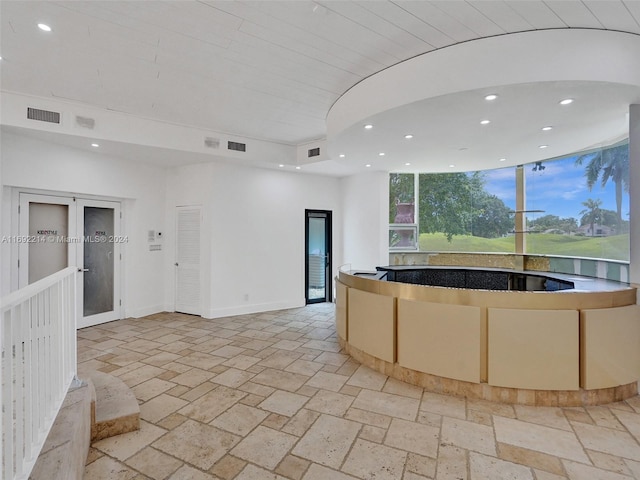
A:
[(530, 338)]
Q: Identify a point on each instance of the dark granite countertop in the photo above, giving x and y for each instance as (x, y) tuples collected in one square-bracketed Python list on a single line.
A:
[(471, 277)]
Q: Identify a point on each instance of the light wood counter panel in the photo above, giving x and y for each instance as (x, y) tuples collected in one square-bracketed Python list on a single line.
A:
[(534, 349), (372, 324), (610, 346), (342, 306), (440, 339)]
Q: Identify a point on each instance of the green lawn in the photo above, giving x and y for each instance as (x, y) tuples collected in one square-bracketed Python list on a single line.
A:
[(614, 247)]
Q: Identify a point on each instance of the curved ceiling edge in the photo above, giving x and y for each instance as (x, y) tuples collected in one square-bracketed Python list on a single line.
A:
[(518, 58)]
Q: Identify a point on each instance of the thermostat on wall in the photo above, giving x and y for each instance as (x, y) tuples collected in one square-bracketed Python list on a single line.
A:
[(153, 236)]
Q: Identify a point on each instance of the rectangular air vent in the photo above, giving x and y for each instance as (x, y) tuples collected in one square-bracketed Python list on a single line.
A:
[(211, 142), (238, 147), (85, 122), (43, 115), (314, 152)]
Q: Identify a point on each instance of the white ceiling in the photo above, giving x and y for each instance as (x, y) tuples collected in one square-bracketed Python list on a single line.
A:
[(262, 69), (452, 139)]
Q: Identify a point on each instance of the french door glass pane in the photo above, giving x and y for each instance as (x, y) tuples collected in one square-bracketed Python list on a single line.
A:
[(49, 225), (98, 260)]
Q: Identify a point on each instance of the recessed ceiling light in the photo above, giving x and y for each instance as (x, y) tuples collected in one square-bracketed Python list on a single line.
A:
[(298, 168), (546, 129), (566, 101), (95, 145), (451, 166), (281, 166), (341, 155), (407, 164), (485, 122), (381, 154), (503, 159), (368, 165), (543, 146), (408, 136), (44, 27), (368, 126), (490, 97)]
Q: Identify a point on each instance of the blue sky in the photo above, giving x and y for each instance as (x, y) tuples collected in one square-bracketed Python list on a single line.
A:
[(559, 189)]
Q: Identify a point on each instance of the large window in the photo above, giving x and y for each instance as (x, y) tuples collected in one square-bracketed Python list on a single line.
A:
[(468, 212), (575, 206), (580, 205)]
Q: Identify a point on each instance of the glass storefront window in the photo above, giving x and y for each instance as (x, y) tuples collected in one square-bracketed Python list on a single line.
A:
[(583, 203), (576, 206), (467, 212)]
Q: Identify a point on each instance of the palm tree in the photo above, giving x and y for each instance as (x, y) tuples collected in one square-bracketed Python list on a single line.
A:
[(592, 212), (610, 163)]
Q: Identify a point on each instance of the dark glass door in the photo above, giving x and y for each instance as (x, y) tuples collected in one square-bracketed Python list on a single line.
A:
[(318, 256)]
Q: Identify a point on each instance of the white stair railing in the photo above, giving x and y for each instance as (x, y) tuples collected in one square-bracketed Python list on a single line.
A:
[(38, 339)]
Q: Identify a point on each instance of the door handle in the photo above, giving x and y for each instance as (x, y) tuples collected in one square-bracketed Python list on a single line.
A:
[(83, 269)]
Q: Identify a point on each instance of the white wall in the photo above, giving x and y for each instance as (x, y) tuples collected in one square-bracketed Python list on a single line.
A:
[(253, 229), (188, 186), (253, 226), (28, 163), (365, 199)]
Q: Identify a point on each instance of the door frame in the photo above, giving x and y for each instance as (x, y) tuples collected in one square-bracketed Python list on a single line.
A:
[(328, 283)]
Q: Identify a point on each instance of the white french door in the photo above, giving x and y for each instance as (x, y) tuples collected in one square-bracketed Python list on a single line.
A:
[(56, 232), (98, 258)]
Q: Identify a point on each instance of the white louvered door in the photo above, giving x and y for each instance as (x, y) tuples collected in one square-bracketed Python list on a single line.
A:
[(188, 222)]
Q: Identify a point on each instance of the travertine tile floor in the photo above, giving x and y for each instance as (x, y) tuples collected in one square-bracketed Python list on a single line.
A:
[(271, 396)]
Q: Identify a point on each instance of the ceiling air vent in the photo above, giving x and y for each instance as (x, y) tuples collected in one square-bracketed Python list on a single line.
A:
[(43, 115), (211, 142), (85, 122), (238, 147), (314, 152)]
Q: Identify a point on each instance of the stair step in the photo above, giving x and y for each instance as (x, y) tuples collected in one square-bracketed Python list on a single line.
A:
[(116, 408)]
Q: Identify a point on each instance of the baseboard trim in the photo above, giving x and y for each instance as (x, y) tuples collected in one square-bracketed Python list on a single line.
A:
[(143, 312), (254, 308)]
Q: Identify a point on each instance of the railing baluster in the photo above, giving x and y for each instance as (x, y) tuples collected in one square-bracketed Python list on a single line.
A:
[(25, 320), (46, 354), (56, 346), (29, 372), (7, 395), (19, 393)]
